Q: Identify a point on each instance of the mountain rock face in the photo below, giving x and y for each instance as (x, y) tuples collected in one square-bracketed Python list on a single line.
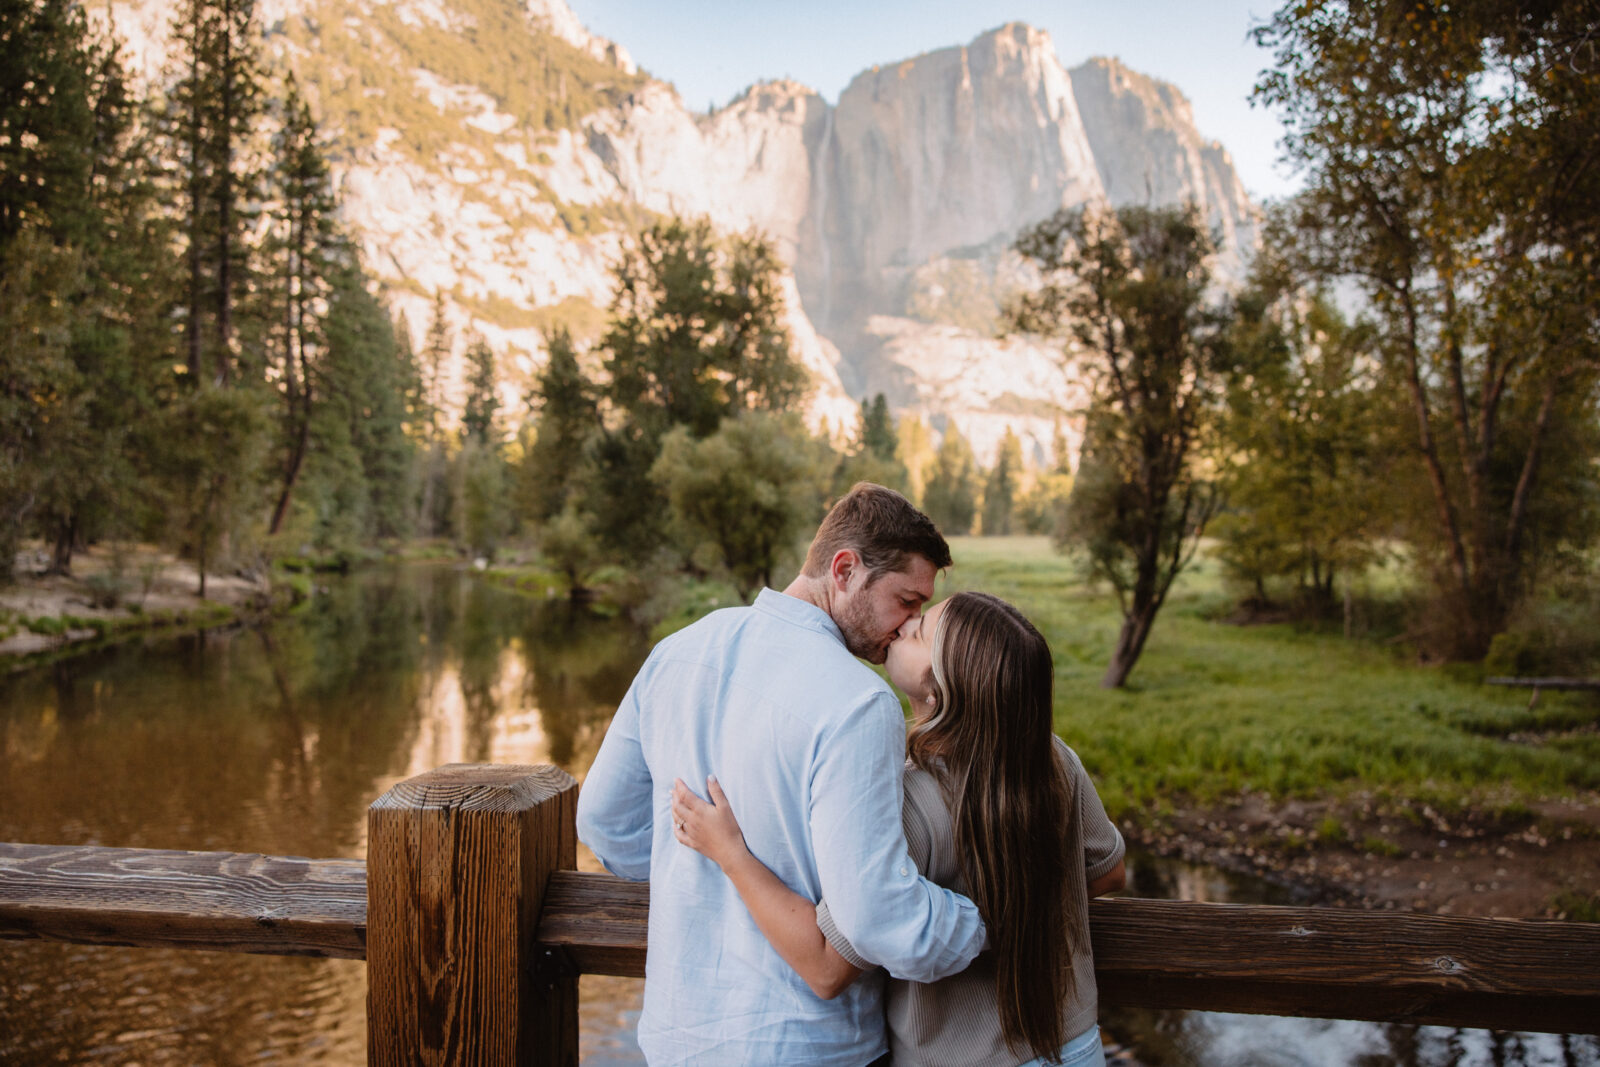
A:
[(497, 154)]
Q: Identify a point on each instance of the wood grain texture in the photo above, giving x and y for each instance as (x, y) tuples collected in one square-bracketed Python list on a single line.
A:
[(1253, 959), (598, 922), (457, 864), (225, 901), (1338, 964), (488, 927)]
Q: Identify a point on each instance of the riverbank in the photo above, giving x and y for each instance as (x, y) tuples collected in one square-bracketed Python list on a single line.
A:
[(131, 589), (1341, 766), (1362, 851)]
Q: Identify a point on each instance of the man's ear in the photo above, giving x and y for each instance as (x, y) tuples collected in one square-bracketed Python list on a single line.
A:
[(843, 567)]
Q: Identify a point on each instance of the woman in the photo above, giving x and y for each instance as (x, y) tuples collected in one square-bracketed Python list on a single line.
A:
[(996, 807)]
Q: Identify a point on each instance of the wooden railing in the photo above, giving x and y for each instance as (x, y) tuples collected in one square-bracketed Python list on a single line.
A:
[(475, 926)]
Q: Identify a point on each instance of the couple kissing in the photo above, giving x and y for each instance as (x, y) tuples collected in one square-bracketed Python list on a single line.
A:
[(827, 887)]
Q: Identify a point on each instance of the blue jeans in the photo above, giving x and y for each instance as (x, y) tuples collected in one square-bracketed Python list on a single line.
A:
[(1084, 1050)]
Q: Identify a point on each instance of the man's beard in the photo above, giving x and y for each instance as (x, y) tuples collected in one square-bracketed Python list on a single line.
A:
[(855, 622)]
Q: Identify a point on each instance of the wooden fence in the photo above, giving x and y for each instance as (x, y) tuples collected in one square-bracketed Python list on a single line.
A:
[(475, 927)]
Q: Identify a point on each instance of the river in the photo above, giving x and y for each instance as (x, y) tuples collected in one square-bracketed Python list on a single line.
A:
[(275, 738)]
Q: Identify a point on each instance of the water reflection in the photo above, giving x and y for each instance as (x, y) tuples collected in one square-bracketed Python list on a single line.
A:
[(275, 740)]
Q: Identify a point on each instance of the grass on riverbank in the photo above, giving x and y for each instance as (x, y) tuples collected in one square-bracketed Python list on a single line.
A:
[(1214, 710), (119, 591)]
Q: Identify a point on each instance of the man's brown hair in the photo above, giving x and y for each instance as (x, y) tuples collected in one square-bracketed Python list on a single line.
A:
[(883, 527)]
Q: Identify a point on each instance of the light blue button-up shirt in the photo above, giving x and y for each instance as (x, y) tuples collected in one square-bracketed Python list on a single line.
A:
[(809, 745)]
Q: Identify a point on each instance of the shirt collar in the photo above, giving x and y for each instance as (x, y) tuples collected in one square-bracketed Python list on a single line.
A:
[(792, 609)]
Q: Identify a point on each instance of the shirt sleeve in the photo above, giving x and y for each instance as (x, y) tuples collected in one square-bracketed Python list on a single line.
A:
[(877, 901), (1103, 846), (614, 811), (919, 845)]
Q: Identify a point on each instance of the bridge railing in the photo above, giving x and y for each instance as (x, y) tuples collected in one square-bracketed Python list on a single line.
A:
[(475, 927)]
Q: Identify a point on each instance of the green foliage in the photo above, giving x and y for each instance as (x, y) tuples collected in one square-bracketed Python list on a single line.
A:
[(915, 449), (1577, 906), (299, 258), (569, 545), (54, 78), (750, 491), (209, 464), (1447, 154), (874, 454), (485, 515), (531, 74), (210, 128), (1042, 507), (1308, 432), (697, 335), (81, 283), (482, 402), (40, 388), (567, 415), (361, 470), (1129, 287), (697, 330), (1554, 634), (1000, 487), (950, 493), (624, 505)]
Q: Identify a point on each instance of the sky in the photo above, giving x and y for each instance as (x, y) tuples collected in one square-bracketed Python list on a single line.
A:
[(712, 49)]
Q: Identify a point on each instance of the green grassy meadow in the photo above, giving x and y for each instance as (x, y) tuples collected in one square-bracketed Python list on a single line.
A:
[(1213, 710)]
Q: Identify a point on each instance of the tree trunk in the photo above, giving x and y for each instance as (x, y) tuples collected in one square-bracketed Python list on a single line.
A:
[(225, 208), (200, 563), (291, 474), (1130, 643), (66, 537), (192, 327)]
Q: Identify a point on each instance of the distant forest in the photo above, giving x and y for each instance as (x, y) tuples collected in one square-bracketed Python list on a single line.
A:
[(191, 352)]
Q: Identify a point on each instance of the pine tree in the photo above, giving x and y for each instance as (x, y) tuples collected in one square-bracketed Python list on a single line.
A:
[(434, 510), (482, 401), (951, 495), (1000, 488), (358, 432), (213, 114), (872, 456), (696, 335), (567, 415), (916, 451), (305, 247), (79, 257)]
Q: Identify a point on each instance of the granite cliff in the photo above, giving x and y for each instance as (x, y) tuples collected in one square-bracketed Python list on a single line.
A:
[(496, 152)]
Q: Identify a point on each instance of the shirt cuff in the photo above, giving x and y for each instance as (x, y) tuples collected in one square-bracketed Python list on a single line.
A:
[(840, 943)]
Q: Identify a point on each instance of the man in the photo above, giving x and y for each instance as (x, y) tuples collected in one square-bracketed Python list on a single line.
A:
[(809, 745)]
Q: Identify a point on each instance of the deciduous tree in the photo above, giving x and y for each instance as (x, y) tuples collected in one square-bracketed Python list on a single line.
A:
[(1451, 167), (1128, 289)]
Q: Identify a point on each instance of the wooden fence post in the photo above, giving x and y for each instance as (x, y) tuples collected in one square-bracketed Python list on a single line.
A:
[(457, 862)]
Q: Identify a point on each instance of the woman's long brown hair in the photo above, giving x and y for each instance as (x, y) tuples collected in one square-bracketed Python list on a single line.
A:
[(989, 743)]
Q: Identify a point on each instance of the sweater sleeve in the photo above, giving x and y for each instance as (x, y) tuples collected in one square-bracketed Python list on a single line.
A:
[(1103, 846)]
